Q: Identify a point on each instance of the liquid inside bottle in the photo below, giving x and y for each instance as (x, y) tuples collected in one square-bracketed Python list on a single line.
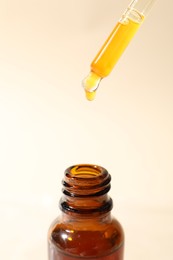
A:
[(55, 254), (86, 228)]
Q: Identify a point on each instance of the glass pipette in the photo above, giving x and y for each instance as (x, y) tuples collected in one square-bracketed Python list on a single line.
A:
[(115, 45)]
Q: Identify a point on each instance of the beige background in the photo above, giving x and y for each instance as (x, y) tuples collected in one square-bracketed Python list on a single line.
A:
[(46, 124)]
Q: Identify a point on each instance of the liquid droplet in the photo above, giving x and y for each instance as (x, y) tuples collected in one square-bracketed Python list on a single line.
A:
[(90, 95), (90, 84)]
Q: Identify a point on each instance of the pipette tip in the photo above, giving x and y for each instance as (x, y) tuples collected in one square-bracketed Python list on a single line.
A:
[(90, 85)]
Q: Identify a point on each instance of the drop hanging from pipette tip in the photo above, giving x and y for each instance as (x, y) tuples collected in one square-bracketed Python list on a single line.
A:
[(90, 85)]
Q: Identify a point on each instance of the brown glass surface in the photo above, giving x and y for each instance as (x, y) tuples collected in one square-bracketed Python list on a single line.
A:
[(54, 254), (85, 228)]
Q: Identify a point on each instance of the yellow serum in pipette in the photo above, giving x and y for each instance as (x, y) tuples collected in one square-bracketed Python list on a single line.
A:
[(110, 53)]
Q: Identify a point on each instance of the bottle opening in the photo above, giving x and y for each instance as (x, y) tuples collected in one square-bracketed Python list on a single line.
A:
[(86, 180), (85, 187), (87, 171)]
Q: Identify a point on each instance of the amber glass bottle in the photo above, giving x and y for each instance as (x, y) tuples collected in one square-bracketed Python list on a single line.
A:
[(86, 229)]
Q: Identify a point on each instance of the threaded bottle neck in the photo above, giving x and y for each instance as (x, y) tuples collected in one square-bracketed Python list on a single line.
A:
[(85, 189)]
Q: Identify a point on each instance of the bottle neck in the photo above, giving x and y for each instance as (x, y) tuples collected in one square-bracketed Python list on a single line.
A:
[(85, 189)]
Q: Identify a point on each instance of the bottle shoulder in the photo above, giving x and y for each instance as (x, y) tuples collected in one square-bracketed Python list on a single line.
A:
[(90, 223), (86, 236)]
